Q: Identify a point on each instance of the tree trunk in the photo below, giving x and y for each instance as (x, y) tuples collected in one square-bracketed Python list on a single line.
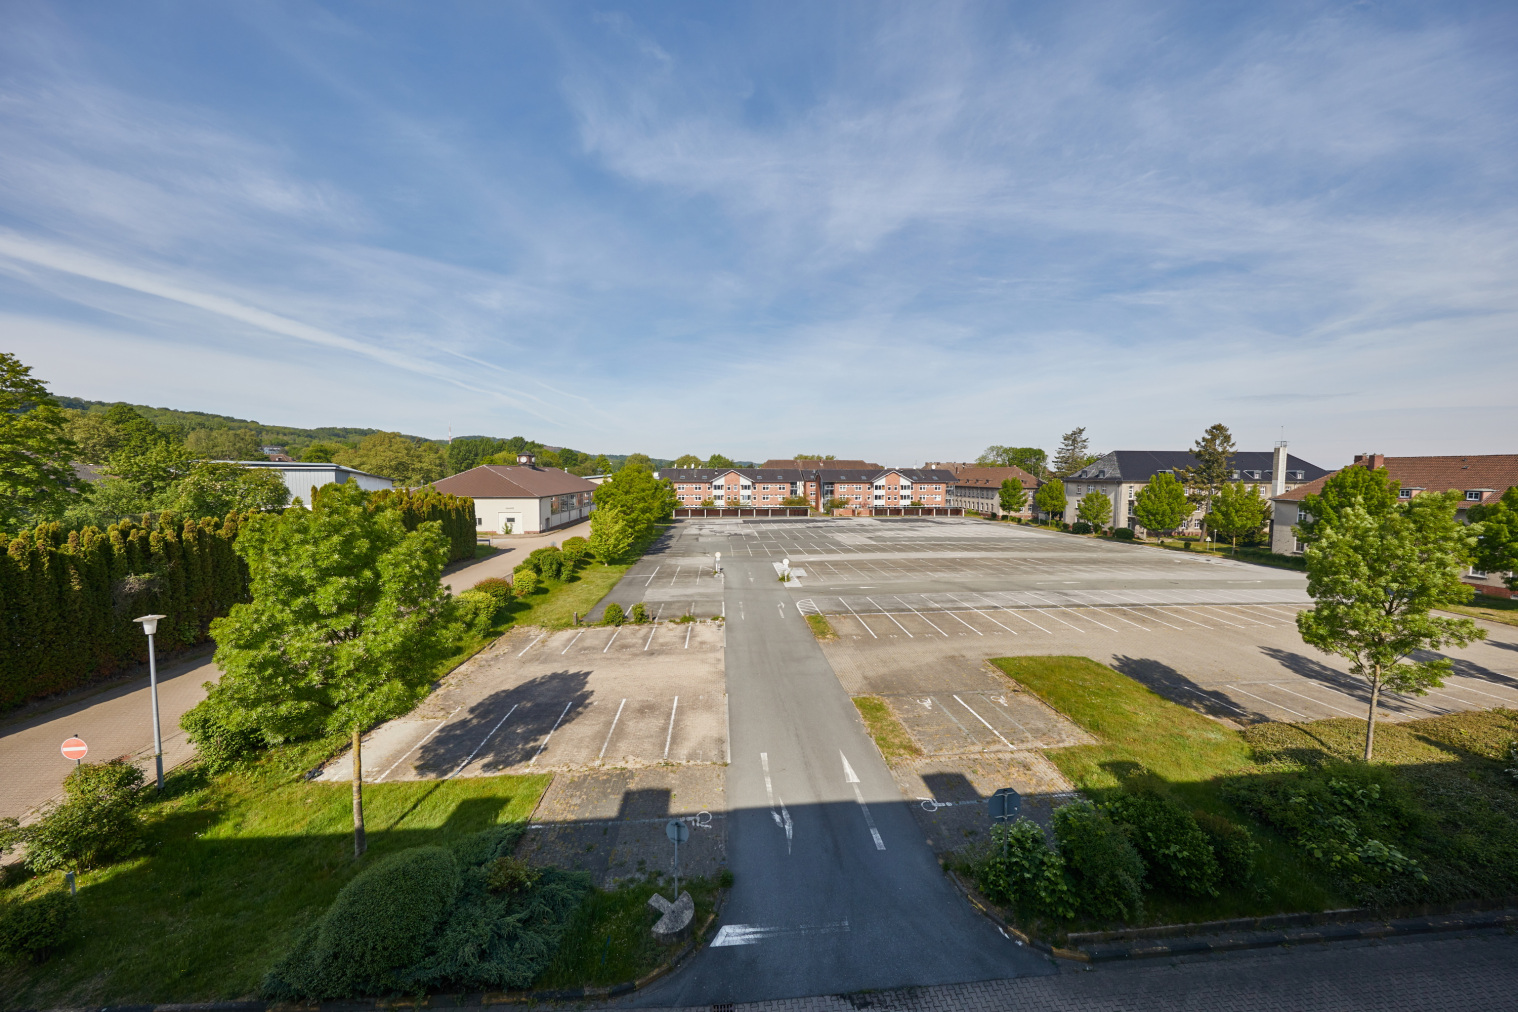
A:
[(359, 843), (1370, 720)]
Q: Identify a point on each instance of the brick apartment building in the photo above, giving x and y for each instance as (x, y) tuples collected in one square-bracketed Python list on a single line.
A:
[(1479, 479), (859, 484)]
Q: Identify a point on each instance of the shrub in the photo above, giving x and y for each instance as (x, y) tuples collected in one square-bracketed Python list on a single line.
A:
[(1021, 870), (507, 874), (378, 927), (1176, 852), (524, 581), (97, 823), (35, 929), (546, 562), (477, 610), (497, 588), (574, 550), (1105, 870), (220, 746), (1232, 846), (1081, 527), (639, 613), (613, 614), (1123, 534)]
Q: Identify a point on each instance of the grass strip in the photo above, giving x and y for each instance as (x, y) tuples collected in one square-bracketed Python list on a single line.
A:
[(610, 940), (235, 867), (890, 736), (821, 627), (1493, 609)]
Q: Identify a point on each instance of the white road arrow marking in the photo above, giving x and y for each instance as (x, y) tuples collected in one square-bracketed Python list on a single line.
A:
[(783, 816), (853, 781)]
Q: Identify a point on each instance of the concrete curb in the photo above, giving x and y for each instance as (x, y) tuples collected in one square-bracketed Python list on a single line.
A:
[(474, 1000), (1244, 933)]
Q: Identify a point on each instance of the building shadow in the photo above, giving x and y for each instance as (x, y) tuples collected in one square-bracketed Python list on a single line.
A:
[(1166, 681), (507, 727)]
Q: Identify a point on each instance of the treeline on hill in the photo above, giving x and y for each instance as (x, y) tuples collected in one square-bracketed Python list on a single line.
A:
[(67, 598)]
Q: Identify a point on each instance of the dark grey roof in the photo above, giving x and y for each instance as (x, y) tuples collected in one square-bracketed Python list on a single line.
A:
[(1142, 465)]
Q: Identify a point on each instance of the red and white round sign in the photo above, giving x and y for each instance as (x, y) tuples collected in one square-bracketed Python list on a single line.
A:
[(75, 749)]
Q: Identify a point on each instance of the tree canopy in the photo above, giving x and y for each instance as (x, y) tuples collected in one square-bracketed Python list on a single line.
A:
[(1012, 497), (1074, 453), (1374, 577), (611, 533), (1373, 491), (409, 462), (1094, 508), (638, 498), (717, 460), (1497, 544), (1162, 505), (347, 621), (223, 444), (1213, 468), (1239, 511), (687, 460), (214, 488), (1029, 458), (35, 450), (1050, 498)]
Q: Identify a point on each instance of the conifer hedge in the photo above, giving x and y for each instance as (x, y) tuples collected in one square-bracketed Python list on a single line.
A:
[(420, 505), (67, 598)]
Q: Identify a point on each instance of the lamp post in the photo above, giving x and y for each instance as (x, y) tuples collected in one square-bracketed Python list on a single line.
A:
[(150, 626)]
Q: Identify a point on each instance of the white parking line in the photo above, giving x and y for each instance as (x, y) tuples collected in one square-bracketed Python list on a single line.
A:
[(689, 627), (669, 735), (861, 621), (1310, 699), (983, 615), (966, 624), (978, 717), (653, 574), (533, 643), (419, 744), (1467, 688), (550, 733), (1183, 618), (1262, 699), (483, 740), (611, 730), (613, 639), (572, 642), (651, 636), (891, 617), (919, 614), (1244, 618), (1216, 618)]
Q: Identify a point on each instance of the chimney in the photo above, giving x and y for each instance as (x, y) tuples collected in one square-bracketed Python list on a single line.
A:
[(1278, 470), (526, 458), (1376, 462)]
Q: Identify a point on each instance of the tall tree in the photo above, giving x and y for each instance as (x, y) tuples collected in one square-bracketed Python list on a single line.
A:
[(1094, 508), (469, 451), (35, 452), (322, 453), (717, 460), (1012, 497), (1162, 505), (1497, 545), (639, 498), (1375, 577), (611, 533), (346, 624), (407, 461), (1074, 453), (1050, 498), (1029, 458), (687, 460), (214, 488), (641, 461), (1373, 491), (223, 444), (1238, 511), (815, 456), (1213, 468)]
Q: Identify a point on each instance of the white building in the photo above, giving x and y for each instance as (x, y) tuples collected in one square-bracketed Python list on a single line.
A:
[(302, 479), (525, 499)]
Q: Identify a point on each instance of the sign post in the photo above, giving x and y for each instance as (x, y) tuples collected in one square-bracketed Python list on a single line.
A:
[(75, 749), (1005, 805), (678, 832)]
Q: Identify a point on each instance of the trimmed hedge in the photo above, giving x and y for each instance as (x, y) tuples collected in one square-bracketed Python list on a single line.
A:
[(67, 598), (419, 505)]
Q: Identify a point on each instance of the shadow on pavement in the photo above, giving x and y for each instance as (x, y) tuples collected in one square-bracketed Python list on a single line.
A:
[(536, 708)]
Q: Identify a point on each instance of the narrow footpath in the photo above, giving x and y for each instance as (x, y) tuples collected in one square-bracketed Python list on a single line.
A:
[(835, 888)]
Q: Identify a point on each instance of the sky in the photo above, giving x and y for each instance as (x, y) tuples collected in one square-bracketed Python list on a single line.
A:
[(900, 232)]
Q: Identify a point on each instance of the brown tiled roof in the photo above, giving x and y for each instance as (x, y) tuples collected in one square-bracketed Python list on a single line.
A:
[(814, 465), (1492, 474), (494, 481), (992, 476)]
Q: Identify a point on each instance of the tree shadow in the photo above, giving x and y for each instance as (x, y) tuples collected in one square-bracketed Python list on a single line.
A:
[(1176, 687), (507, 727), (1469, 669)]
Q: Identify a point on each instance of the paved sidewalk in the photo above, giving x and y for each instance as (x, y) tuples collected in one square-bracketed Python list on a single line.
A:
[(1424, 975), (117, 721)]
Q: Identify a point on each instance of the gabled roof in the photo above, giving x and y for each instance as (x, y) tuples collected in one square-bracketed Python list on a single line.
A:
[(992, 476), (497, 481), (921, 474), (1490, 474), (814, 465), (1142, 465)]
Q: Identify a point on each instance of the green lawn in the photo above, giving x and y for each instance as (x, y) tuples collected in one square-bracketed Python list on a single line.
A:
[(890, 736), (1450, 766), (554, 604), (821, 627), (1493, 609), (235, 867)]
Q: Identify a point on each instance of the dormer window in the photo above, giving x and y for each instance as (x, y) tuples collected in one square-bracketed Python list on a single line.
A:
[(1473, 497), (1404, 493)]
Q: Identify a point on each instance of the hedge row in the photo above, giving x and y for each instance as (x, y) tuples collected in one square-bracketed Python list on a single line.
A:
[(67, 598), (420, 505)]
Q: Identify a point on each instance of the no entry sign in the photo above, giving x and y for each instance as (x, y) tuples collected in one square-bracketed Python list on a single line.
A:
[(75, 749)]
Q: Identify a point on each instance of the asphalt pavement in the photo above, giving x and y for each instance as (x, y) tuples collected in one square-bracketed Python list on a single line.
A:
[(835, 887)]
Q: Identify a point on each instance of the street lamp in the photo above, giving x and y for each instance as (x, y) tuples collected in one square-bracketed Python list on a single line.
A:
[(150, 626)]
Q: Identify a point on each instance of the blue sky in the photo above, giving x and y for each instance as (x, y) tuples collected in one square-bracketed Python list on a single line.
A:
[(893, 231)]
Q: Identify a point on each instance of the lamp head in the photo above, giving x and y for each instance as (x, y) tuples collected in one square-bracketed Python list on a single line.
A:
[(149, 623)]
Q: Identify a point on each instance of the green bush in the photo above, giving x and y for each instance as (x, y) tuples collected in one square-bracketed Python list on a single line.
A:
[(432, 922), (1106, 873), (546, 562), (1020, 870), (378, 927), (1081, 527), (639, 613), (220, 747), (497, 588), (613, 614), (574, 550), (97, 823), (1123, 534), (524, 581), (1176, 853), (477, 610), (36, 929), (1232, 846)]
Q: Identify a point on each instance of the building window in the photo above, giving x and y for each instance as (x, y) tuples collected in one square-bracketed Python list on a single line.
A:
[(1404, 493), (1473, 497)]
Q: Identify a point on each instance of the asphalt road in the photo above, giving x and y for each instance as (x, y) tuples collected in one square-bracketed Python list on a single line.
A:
[(835, 888)]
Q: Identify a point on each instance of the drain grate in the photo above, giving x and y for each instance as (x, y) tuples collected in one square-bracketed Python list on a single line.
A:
[(724, 1007)]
